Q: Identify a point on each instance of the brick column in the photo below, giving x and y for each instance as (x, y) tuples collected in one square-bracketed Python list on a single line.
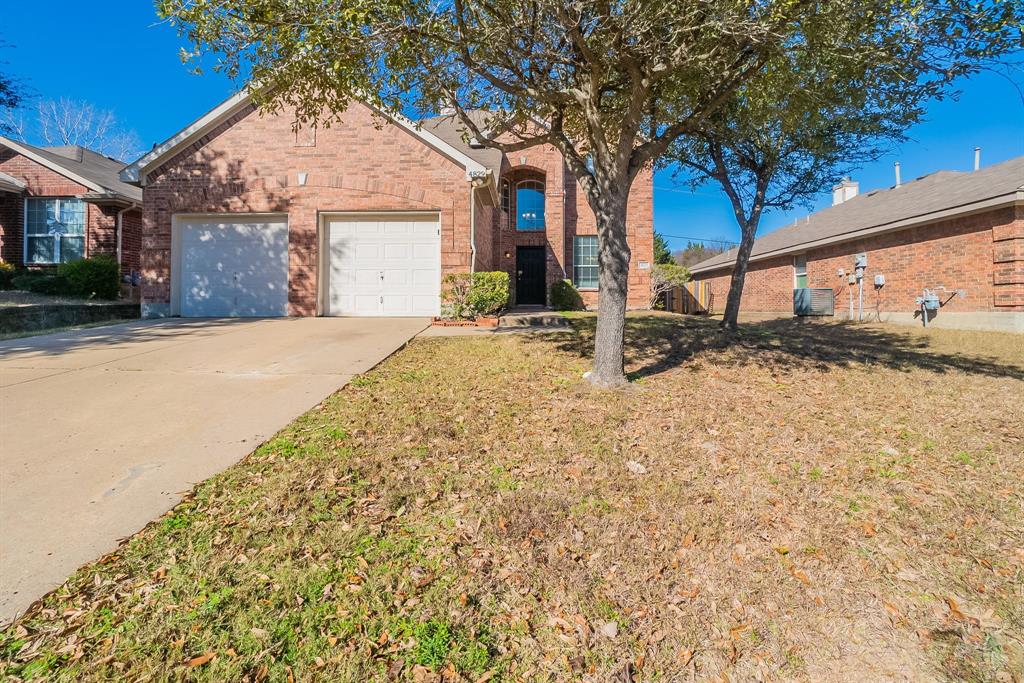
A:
[(1008, 260)]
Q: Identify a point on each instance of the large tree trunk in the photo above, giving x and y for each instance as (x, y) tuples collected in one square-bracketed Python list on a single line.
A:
[(739, 275), (613, 284)]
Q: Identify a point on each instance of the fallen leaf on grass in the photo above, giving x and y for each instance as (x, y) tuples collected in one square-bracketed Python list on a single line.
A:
[(200, 660)]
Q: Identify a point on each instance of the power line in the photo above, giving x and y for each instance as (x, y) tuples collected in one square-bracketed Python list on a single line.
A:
[(697, 239)]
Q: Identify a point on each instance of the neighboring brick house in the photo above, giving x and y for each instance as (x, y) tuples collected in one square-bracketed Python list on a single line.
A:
[(947, 232), (245, 215), (58, 204)]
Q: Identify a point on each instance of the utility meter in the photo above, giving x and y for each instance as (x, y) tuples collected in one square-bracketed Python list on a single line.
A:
[(879, 280)]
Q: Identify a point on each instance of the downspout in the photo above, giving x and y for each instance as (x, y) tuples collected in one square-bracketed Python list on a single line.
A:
[(472, 226)]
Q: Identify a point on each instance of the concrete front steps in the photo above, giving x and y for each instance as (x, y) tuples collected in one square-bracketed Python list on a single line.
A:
[(532, 317)]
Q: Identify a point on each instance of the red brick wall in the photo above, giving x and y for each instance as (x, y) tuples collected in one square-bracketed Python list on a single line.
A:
[(981, 253), (567, 214), (250, 163), (131, 241), (11, 232), (42, 182), (768, 286)]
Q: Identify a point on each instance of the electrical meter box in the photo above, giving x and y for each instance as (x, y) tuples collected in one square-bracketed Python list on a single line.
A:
[(860, 261), (879, 280)]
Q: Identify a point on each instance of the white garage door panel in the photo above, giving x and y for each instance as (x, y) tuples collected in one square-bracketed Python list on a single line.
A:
[(233, 267), (382, 266)]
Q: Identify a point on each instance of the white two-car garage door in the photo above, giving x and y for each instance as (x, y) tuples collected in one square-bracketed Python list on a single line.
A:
[(378, 265), (233, 266)]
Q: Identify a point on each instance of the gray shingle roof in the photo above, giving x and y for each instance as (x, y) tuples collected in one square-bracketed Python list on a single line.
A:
[(451, 130), (99, 169), (937, 192)]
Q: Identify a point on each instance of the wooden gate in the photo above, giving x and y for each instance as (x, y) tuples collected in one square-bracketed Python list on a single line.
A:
[(694, 298)]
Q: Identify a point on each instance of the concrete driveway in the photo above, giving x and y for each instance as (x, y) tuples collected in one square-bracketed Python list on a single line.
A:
[(104, 429)]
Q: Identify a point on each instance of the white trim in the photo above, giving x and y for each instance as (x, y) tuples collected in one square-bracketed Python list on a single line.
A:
[(544, 198), (323, 247), (796, 274), (1007, 199), (223, 217), (136, 171), (52, 165), (57, 243)]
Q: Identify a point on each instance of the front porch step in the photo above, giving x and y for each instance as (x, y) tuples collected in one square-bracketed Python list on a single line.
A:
[(539, 318)]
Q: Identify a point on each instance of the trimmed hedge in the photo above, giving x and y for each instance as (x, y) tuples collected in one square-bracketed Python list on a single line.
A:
[(467, 296), (488, 293), (50, 284), (7, 273), (97, 277), (565, 297)]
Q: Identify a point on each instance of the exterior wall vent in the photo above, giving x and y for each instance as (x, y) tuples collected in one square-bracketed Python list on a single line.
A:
[(809, 301)]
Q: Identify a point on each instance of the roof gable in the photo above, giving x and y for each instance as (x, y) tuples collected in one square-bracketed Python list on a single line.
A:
[(136, 171), (88, 168)]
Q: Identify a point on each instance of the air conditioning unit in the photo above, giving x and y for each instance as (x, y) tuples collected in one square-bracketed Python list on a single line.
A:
[(807, 301)]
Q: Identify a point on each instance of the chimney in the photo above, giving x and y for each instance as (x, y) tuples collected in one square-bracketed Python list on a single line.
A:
[(977, 158), (845, 190), (896, 167)]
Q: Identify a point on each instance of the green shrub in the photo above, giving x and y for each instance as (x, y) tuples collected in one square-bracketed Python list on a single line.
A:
[(465, 296), (50, 283), (666, 277), (7, 272), (488, 293), (97, 277), (565, 297), (455, 296)]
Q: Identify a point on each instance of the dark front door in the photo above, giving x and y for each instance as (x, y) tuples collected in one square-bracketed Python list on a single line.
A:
[(531, 268)]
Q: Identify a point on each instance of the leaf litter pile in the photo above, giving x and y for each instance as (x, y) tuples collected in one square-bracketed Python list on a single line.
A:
[(809, 502)]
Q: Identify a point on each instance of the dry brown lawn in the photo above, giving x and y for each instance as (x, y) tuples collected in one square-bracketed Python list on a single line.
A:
[(810, 502)]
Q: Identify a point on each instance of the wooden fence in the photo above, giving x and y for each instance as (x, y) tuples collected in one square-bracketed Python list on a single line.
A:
[(694, 298)]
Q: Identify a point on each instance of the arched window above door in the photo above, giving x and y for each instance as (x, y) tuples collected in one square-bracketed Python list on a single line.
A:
[(529, 205)]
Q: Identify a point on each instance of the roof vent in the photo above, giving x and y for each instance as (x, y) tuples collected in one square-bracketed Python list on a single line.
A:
[(847, 189), (447, 111)]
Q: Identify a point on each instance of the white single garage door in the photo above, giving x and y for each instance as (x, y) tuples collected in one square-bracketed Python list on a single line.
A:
[(383, 265), (233, 266)]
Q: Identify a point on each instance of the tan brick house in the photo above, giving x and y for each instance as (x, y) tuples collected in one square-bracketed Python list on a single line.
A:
[(245, 215), (958, 234), (58, 204)]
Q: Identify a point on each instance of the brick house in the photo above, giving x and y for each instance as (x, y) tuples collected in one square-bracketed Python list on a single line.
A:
[(58, 204), (960, 235), (246, 215)]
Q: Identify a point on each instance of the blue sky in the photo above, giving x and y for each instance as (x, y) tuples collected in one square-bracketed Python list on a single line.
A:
[(127, 61)]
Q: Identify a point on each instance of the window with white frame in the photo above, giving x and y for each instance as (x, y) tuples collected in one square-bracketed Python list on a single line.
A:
[(54, 229), (584, 261), (530, 205), (800, 271)]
